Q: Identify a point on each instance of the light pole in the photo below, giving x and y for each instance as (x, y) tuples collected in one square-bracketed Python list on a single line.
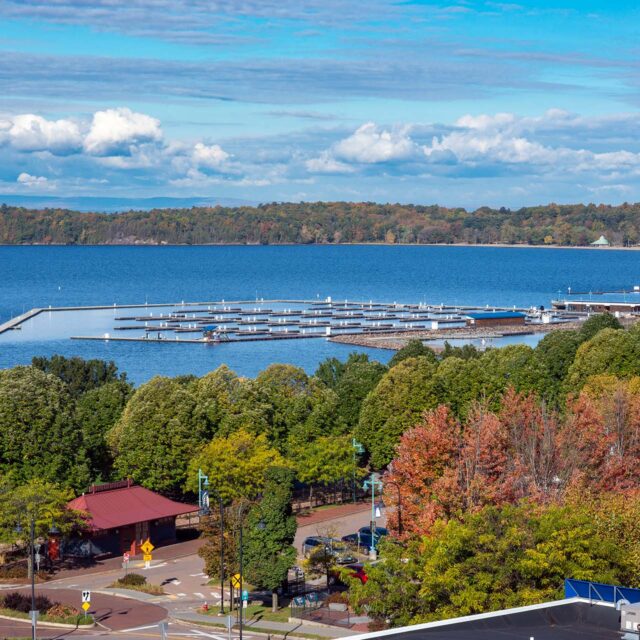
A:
[(32, 564), (358, 449), (371, 484), (260, 526), (203, 504)]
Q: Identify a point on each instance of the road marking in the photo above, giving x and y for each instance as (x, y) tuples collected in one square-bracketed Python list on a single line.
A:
[(149, 626), (195, 575), (198, 594), (202, 634), (176, 582), (181, 595)]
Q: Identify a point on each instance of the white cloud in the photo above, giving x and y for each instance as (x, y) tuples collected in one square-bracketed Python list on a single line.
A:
[(28, 132), (116, 132), (32, 181), (210, 156), (370, 144), (326, 163)]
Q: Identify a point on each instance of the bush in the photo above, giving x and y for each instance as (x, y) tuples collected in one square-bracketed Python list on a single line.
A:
[(133, 580), (341, 597), (59, 610), (17, 601)]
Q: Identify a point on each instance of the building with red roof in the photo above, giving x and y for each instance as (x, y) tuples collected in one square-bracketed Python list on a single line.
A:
[(121, 516)]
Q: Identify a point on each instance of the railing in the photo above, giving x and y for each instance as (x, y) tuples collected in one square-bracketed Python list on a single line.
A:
[(599, 592)]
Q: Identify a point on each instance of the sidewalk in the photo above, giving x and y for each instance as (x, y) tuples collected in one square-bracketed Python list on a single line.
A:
[(170, 552), (280, 628)]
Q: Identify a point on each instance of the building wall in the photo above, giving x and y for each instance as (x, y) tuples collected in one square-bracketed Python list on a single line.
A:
[(494, 322)]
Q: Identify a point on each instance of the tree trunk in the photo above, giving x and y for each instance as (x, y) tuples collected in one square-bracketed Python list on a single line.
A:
[(274, 601)]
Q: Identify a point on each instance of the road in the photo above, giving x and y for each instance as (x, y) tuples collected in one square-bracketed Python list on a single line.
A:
[(183, 580)]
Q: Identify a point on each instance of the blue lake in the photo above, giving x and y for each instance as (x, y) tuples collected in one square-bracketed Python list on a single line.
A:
[(60, 276)]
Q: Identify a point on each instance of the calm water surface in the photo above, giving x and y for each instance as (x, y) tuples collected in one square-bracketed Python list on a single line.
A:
[(42, 276)]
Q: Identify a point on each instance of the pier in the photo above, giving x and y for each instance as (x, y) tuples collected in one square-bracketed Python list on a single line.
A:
[(235, 321)]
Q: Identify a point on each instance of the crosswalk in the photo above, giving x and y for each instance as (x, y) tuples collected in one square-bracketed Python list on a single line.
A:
[(197, 595)]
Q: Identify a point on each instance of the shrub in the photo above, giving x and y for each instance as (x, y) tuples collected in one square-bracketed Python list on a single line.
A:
[(133, 580), (341, 597), (17, 601), (59, 610)]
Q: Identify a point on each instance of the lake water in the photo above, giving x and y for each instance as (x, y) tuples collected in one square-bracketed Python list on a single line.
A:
[(60, 276)]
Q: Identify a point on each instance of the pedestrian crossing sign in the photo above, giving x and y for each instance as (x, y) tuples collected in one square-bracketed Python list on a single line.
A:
[(146, 547)]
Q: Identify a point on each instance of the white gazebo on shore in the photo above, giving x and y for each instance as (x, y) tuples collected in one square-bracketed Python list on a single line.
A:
[(600, 242)]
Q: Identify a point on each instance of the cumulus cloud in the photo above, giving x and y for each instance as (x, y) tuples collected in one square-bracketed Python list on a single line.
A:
[(28, 132), (31, 181), (209, 156), (371, 144), (326, 163), (115, 132)]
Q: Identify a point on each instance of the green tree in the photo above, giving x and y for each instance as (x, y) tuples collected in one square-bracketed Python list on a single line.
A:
[(300, 406), (38, 434), (78, 374), (236, 465), (557, 350), (458, 383), (413, 349), (359, 377), (394, 405), (96, 413), (596, 323), (610, 351), (157, 434), (271, 529), (39, 502), (325, 460)]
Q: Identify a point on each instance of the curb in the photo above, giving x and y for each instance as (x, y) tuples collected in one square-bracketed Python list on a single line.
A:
[(57, 625)]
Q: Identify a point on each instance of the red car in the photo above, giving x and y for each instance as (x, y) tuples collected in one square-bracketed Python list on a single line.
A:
[(356, 570)]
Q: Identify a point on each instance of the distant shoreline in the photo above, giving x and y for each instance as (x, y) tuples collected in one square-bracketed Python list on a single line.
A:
[(328, 244)]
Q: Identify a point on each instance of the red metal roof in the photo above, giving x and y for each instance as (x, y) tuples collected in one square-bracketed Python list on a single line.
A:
[(126, 505)]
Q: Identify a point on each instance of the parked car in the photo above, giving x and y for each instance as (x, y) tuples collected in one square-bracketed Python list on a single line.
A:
[(361, 540), (356, 570), (380, 531), (333, 546)]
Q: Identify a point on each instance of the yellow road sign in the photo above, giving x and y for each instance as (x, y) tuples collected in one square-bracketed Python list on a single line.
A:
[(236, 580), (86, 606), (147, 557), (146, 546)]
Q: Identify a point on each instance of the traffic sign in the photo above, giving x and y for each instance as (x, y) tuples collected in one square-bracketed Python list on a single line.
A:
[(245, 596), (125, 556), (147, 557), (86, 606), (147, 547), (86, 596), (236, 581)]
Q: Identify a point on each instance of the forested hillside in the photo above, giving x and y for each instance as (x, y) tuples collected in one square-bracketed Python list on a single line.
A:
[(325, 222)]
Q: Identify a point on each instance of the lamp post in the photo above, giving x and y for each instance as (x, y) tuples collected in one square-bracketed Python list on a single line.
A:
[(32, 562), (260, 526), (371, 483), (203, 504), (358, 449)]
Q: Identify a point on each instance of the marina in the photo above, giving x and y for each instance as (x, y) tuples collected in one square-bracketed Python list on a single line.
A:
[(270, 320)]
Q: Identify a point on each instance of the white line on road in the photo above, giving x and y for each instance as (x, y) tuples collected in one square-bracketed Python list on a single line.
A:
[(198, 594), (149, 626)]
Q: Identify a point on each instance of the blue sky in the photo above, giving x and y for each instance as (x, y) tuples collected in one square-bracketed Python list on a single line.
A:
[(459, 103)]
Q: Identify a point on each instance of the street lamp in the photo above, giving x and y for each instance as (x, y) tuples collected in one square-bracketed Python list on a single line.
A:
[(203, 504), (371, 483), (358, 449), (53, 530), (260, 526)]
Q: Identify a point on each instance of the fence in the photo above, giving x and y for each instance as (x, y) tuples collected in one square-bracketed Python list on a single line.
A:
[(598, 592)]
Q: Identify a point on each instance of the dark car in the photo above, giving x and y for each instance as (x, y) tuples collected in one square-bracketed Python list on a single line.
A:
[(380, 531), (336, 548), (361, 540)]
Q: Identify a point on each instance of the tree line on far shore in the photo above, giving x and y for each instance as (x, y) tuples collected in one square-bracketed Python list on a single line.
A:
[(326, 223)]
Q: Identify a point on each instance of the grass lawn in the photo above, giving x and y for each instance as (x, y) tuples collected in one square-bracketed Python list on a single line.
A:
[(256, 612), (80, 619), (151, 589)]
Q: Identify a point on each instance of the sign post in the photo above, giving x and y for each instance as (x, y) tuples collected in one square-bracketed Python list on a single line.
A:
[(146, 547), (86, 602), (228, 621), (125, 562)]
